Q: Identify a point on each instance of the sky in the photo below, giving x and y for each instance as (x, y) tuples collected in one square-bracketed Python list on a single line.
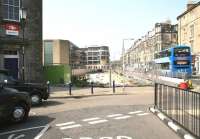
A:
[(106, 22)]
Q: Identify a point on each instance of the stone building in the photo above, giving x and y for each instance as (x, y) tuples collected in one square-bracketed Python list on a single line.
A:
[(162, 36), (189, 31), (21, 55)]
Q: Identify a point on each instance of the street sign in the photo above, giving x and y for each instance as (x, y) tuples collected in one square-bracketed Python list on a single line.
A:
[(12, 29)]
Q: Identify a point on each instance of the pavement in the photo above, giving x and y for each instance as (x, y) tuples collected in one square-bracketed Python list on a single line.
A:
[(123, 115)]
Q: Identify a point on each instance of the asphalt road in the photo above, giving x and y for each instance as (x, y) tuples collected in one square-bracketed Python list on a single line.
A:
[(112, 116)]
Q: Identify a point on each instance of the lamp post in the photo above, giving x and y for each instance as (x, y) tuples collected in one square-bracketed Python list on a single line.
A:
[(123, 60), (23, 16)]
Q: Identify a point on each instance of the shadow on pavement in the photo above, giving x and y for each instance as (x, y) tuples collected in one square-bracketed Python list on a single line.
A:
[(50, 103), (32, 121), (85, 96)]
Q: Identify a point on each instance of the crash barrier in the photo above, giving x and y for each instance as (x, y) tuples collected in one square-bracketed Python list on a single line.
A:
[(92, 88), (182, 106)]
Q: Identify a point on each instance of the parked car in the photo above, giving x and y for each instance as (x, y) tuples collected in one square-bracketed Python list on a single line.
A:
[(14, 105), (36, 91)]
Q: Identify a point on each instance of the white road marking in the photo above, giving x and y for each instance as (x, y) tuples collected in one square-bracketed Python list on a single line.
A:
[(135, 112), (11, 136), (97, 122), (173, 126), (20, 136), (64, 124), (91, 119), (122, 117), (161, 116), (71, 126), (17, 137), (114, 115), (31, 113), (187, 136), (143, 114), (42, 132), (14, 131)]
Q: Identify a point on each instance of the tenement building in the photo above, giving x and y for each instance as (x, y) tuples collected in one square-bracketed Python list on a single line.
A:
[(189, 32), (21, 38), (141, 54)]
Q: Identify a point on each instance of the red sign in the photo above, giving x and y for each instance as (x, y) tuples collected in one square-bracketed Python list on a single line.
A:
[(12, 29)]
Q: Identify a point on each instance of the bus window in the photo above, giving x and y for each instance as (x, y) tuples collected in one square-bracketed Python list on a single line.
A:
[(182, 62), (181, 52), (165, 66)]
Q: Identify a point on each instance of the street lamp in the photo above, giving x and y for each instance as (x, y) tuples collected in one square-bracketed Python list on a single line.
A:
[(23, 16), (123, 60)]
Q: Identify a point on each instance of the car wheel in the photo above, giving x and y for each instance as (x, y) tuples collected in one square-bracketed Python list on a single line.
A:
[(36, 99), (19, 113)]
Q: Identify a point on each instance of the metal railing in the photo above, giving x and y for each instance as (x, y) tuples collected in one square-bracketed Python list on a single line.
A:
[(182, 106)]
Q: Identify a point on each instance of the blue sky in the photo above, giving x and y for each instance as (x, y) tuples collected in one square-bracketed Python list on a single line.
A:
[(106, 22)]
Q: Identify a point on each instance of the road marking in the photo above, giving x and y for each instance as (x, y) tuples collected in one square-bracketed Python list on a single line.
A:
[(11, 136), (14, 131), (173, 126), (187, 136), (20, 136), (42, 132), (91, 119), (31, 113), (97, 122), (143, 114), (63, 124), (135, 112), (17, 137), (161, 116), (122, 117), (114, 115), (71, 126)]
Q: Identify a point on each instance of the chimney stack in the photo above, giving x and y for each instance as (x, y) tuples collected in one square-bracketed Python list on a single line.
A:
[(190, 4)]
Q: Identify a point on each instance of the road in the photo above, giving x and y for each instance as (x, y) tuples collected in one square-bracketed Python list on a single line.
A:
[(120, 116)]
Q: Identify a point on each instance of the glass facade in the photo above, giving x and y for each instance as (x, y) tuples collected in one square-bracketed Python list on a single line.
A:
[(11, 10), (48, 53)]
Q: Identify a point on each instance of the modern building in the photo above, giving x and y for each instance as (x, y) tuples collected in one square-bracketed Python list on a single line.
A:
[(63, 52), (21, 38), (189, 31), (141, 55), (98, 57)]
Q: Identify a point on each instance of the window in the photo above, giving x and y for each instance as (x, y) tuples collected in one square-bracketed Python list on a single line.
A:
[(192, 31), (11, 9), (181, 52), (165, 66), (48, 53)]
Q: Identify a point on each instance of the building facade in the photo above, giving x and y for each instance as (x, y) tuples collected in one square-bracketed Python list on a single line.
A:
[(140, 56), (189, 31), (21, 38), (63, 52), (98, 57)]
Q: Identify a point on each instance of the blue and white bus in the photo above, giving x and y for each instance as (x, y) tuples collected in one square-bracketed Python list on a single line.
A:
[(175, 61)]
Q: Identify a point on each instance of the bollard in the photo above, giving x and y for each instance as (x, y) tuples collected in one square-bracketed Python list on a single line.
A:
[(70, 89), (48, 86), (92, 88), (113, 86)]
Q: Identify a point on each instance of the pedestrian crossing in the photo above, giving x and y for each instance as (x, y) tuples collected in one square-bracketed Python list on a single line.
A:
[(100, 120)]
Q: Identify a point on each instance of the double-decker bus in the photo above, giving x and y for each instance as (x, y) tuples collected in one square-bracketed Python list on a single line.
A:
[(175, 61)]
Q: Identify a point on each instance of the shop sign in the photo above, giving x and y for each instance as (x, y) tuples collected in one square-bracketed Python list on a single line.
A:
[(12, 29)]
